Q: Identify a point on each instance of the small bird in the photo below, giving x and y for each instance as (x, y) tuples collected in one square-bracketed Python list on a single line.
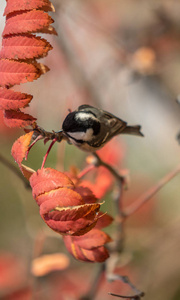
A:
[(90, 128)]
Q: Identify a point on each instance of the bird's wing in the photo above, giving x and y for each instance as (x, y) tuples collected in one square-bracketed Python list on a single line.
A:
[(114, 124)]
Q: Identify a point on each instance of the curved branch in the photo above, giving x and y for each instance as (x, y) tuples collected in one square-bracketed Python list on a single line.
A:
[(132, 208), (13, 168)]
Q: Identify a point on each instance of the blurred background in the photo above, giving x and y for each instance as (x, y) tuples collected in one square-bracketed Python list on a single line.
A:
[(124, 57)]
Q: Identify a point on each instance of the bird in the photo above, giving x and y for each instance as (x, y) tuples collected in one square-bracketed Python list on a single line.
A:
[(90, 128)]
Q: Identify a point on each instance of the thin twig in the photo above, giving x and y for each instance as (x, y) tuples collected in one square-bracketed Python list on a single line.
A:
[(117, 201), (100, 162), (133, 297), (39, 137), (13, 168), (138, 294), (95, 284), (119, 245), (47, 153), (131, 209), (86, 170)]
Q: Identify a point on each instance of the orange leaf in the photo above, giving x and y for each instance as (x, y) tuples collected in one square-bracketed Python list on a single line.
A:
[(15, 72), (93, 239), (112, 153), (86, 193), (61, 207), (13, 274), (88, 211), (18, 5), (58, 199), (65, 212), (27, 22), (47, 263), (13, 118), (20, 147), (71, 227), (47, 179), (103, 221), (27, 172), (97, 254), (10, 99), (24, 47), (42, 68), (103, 182)]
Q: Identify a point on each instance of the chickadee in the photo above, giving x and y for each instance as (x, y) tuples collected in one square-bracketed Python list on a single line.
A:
[(90, 128)]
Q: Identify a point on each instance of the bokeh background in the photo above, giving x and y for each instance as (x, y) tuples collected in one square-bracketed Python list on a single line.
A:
[(122, 56)]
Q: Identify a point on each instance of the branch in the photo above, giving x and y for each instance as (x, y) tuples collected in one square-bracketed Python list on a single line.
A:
[(90, 295), (118, 246), (16, 171), (138, 294), (100, 162), (134, 297), (86, 170), (131, 209)]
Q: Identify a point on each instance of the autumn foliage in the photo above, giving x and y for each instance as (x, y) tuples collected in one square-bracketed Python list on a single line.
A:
[(68, 206), (18, 56), (66, 203), (101, 55)]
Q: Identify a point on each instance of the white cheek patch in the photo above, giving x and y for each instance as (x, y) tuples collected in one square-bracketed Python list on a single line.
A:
[(84, 116), (85, 136)]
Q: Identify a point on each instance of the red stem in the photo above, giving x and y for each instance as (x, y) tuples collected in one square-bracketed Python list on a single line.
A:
[(86, 170), (47, 153), (39, 137)]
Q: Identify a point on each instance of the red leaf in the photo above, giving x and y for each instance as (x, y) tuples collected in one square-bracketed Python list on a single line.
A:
[(86, 193), (77, 227), (48, 179), (57, 199), (103, 182), (24, 47), (24, 293), (10, 99), (74, 212), (19, 5), (103, 221), (27, 172), (15, 72), (61, 207), (14, 118), (20, 147), (13, 274), (98, 254), (93, 239), (4, 130), (112, 153), (61, 198), (27, 22)]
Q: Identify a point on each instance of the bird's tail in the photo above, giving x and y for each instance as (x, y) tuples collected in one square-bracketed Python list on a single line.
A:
[(134, 130)]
